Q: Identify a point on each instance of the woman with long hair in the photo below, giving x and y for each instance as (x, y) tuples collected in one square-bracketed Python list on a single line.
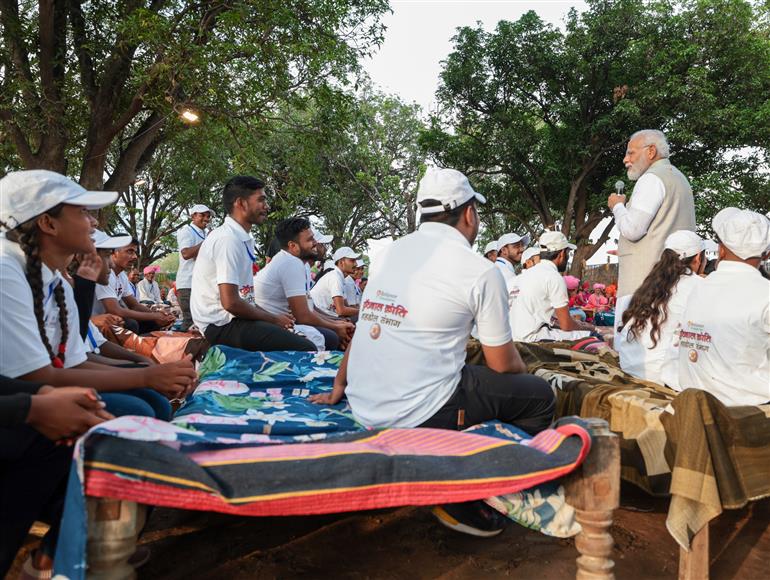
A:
[(46, 221), (649, 332)]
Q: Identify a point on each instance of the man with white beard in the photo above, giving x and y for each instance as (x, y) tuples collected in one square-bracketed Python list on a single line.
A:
[(661, 204)]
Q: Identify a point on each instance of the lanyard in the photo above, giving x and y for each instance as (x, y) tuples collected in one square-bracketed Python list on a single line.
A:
[(92, 340), (51, 288), (196, 232), (251, 256)]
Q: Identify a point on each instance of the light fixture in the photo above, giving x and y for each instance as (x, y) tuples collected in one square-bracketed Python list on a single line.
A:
[(189, 116)]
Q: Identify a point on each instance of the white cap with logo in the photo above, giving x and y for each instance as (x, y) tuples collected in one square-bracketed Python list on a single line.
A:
[(27, 194), (200, 208), (490, 247), (103, 241), (319, 237), (685, 243), (554, 242), (449, 187), (344, 252), (746, 233), (506, 239)]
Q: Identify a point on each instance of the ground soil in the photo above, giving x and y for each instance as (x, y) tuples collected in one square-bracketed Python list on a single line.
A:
[(409, 543)]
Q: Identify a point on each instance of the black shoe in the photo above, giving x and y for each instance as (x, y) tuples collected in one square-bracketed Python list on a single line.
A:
[(471, 517)]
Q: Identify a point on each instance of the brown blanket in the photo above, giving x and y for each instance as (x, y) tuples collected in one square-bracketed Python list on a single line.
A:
[(708, 457)]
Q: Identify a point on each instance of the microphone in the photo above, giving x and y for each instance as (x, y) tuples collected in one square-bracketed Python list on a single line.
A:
[(619, 187)]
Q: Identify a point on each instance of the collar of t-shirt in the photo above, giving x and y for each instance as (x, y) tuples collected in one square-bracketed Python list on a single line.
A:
[(546, 264), (51, 279), (505, 264), (198, 232), (237, 229), (740, 268), (445, 232)]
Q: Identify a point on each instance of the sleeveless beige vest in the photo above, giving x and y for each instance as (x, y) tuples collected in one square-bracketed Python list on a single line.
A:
[(677, 212)]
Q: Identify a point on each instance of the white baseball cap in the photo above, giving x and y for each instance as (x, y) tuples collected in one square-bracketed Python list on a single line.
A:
[(200, 208), (359, 263), (746, 233), (506, 239), (554, 241), (490, 247), (685, 243), (321, 238), (104, 242), (27, 194), (447, 186), (344, 252), (529, 253), (328, 265)]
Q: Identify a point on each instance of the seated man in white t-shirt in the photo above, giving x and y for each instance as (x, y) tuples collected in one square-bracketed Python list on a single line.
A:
[(724, 342), (541, 294), (283, 286), (405, 366), (115, 297), (328, 294), (222, 300), (650, 328)]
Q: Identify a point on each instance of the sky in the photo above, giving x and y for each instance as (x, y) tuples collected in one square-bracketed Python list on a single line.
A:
[(418, 37)]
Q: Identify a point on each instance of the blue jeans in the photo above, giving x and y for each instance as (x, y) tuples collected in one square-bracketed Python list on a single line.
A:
[(142, 402)]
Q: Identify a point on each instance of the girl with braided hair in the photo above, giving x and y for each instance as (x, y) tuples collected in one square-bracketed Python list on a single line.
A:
[(648, 338), (47, 221)]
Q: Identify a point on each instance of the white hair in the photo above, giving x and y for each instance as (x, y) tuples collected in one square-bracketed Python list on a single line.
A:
[(654, 137)]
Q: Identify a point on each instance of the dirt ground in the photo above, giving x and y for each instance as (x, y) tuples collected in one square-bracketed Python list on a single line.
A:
[(409, 543)]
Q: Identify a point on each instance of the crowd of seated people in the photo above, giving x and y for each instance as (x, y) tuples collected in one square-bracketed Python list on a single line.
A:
[(62, 280)]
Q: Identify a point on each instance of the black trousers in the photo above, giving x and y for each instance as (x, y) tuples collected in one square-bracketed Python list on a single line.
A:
[(256, 335), (525, 401), (140, 326), (330, 337), (33, 481)]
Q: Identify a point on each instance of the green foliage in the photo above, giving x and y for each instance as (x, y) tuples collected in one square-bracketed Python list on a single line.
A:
[(539, 118), (84, 81)]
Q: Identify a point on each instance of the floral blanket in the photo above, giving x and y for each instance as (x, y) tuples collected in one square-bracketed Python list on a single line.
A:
[(249, 442)]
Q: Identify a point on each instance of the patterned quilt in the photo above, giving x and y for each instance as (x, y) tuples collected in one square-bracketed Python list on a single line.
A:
[(249, 442), (706, 456)]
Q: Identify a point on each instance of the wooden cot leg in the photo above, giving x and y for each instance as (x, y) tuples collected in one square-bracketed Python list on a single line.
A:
[(694, 565), (594, 492), (113, 527)]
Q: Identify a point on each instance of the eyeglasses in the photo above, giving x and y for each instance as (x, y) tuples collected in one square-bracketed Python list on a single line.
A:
[(629, 152)]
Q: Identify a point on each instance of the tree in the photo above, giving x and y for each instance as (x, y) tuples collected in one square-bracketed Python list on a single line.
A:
[(539, 119), (351, 160), (186, 170), (379, 161), (77, 77)]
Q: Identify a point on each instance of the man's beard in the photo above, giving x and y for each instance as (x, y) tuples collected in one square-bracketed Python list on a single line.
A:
[(562, 267), (309, 255), (637, 169)]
